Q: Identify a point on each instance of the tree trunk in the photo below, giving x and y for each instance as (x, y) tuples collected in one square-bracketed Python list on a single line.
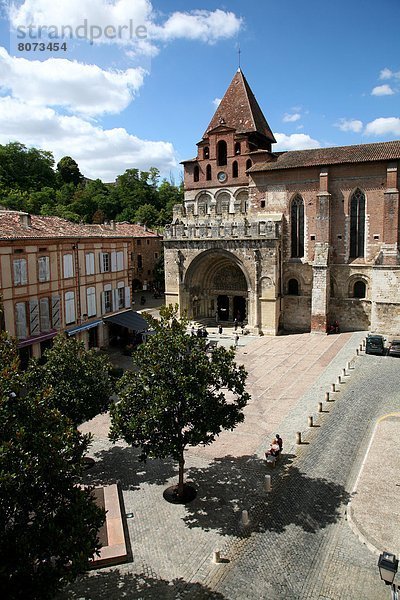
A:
[(180, 482)]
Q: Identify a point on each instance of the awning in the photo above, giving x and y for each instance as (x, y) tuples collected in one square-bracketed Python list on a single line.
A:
[(37, 339), (129, 319), (83, 327)]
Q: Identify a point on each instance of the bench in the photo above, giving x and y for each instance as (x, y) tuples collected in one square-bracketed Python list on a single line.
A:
[(272, 460)]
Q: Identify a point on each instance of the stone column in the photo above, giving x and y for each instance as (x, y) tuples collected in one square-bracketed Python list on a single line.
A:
[(320, 289)]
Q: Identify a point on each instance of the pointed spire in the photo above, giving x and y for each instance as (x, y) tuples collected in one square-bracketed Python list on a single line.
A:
[(240, 110)]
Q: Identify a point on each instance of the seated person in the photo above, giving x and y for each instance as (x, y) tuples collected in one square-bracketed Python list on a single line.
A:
[(274, 449), (280, 441)]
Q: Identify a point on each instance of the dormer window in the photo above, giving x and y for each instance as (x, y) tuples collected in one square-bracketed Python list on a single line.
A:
[(196, 173), (237, 148), (206, 152), (222, 153)]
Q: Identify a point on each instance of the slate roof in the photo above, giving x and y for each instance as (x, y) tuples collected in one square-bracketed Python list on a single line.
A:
[(12, 227), (331, 156), (240, 110)]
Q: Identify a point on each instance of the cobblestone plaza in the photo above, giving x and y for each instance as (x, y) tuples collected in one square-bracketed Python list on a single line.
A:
[(299, 542)]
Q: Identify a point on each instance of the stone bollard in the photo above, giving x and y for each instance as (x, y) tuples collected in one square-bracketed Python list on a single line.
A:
[(245, 518), (267, 483), (349, 365), (310, 421), (327, 397), (344, 373), (333, 387), (361, 347), (216, 556), (298, 438), (339, 380), (358, 351), (319, 406)]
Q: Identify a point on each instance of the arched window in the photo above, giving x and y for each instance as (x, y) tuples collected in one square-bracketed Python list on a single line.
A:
[(206, 152), (249, 163), (357, 224), (196, 173), (235, 169), (293, 287), (238, 149), (208, 173), (360, 289), (222, 153), (297, 227)]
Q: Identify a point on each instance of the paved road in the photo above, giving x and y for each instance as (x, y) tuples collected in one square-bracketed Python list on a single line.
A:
[(298, 544)]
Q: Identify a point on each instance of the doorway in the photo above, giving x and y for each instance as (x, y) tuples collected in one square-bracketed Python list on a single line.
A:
[(223, 308), (239, 308)]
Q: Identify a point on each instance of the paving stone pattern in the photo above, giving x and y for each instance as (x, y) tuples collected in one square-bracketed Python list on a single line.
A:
[(298, 544)]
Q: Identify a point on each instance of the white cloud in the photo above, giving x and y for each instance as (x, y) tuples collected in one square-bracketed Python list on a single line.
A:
[(291, 118), (201, 25), (84, 89), (382, 90), (103, 153), (386, 74), (295, 141), (217, 102), (353, 125), (384, 126), (125, 16)]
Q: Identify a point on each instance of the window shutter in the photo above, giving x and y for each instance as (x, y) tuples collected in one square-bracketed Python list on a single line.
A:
[(24, 273), (55, 312), (69, 307), (17, 273), (101, 259), (115, 302), (34, 317), (68, 266), (44, 268), (120, 261), (127, 297), (44, 314), (20, 320), (90, 263), (103, 303), (113, 261), (91, 301)]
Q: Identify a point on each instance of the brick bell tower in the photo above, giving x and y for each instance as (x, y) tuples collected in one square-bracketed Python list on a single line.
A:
[(237, 137), (222, 258)]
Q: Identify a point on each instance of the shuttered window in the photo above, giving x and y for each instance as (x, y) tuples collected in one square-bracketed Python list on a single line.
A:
[(69, 307), (120, 261), (20, 272), (34, 320), (105, 265), (89, 263), (91, 301), (55, 312), (20, 320), (44, 268), (68, 266), (44, 314)]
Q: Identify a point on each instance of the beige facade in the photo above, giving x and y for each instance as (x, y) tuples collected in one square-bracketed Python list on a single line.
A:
[(308, 238), (60, 276)]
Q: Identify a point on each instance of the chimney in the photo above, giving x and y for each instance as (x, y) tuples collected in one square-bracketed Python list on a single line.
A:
[(25, 219), (113, 225)]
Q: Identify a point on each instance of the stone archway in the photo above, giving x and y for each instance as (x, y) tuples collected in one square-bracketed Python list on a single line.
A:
[(216, 286)]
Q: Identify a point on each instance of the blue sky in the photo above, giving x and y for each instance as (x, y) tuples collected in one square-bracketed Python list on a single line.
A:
[(324, 74)]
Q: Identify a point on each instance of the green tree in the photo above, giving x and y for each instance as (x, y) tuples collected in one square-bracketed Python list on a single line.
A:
[(26, 169), (80, 379), (175, 398), (48, 524), (68, 171), (146, 215)]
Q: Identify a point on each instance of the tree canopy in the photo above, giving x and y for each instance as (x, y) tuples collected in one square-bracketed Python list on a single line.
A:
[(79, 379), (177, 395), (29, 182), (48, 523)]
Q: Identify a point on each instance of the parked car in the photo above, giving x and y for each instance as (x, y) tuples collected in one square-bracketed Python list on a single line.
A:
[(394, 348), (375, 344)]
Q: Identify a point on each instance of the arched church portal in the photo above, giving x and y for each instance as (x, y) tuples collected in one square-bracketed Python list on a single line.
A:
[(216, 287)]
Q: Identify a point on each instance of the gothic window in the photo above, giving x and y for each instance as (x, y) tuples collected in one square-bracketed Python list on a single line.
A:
[(360, 289), (206, 152), (208, 173), (237, 148), (249, 163), (235, 169), (196, 173), (293, 287), (222, 153), (357, 224), (297, 227)]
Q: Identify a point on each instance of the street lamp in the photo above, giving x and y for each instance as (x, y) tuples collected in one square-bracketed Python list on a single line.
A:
[(388, 564)]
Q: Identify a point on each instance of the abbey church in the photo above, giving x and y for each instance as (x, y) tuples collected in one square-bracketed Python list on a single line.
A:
[(286, 241)]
